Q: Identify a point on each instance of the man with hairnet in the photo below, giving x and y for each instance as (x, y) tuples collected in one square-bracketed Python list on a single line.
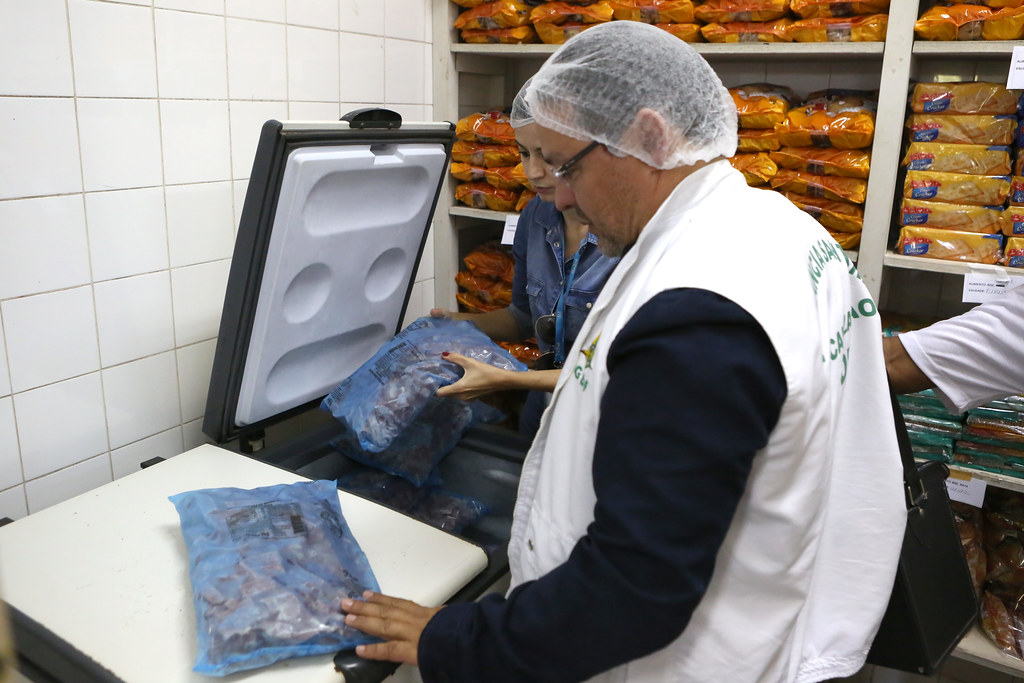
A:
[(715, 492)]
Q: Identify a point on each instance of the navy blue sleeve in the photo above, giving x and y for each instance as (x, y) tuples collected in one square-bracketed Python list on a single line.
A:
[(694, 390)]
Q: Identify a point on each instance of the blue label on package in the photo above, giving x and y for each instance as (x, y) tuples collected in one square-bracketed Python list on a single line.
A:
[(926, 135), (920, 164), (915, 218), (924, 192)]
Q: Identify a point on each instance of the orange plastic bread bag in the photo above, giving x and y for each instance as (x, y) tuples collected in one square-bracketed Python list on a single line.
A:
[(492, 128), (1005, 24), (824, 186), (485, 196), (748, 32), (959, 22), (965, 217), (757, 168), (729, 11), (950, 245), (999, 4), (688, 33), (503, 177), (835, 215), (951, 158), (964, 98), (496, 14), (848, 163), (487, 289), (964, 129), (524, 198), (654, 11), (815, 9), (500, 36), (867, 29), (479, 154), (840, 122), (471, 303), (958, 188), (556, 34), (469, 4), (524, 351), (564, 13), (762, 105), (467, 173), (490, 260), (757, 140)]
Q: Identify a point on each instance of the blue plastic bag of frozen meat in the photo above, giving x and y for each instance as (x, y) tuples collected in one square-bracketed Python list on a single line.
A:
[(380, 399), (269, 568)]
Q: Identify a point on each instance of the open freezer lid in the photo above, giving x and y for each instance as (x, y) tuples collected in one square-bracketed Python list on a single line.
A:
[(331, 232)]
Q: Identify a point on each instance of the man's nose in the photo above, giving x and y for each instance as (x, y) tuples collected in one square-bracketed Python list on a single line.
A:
[(564, 197)]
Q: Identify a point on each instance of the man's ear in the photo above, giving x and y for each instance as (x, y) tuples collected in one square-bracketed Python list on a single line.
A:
[(651, 133)]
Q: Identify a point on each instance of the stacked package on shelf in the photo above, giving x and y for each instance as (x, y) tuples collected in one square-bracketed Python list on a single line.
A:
[(1013, 217), (744, 21), (978, 20), (932, 429), (759, 108), (1002, 609), (557, 22), (496, 21), (674, 16), (485, 159), (958, 166), (993, 437)]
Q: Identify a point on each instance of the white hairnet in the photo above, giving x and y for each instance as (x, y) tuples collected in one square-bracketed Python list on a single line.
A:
[(520, 115), (596, 84)]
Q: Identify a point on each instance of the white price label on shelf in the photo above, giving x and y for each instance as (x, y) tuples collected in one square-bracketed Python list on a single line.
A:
[(1015, 79), (982, 287), (509, 234), (965, 488)]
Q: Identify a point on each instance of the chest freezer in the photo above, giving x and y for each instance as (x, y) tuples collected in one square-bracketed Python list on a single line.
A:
[(334, 223)]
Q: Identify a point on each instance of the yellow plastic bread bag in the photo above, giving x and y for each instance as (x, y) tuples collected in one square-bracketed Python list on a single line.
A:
[(654, 11), (1018, 166), (467, 173), (1006, 24), (963, 98), (524, 198), (496, 14), (846, 240), (757, 168), (503, 177), (757, 140), (824, 186), (999, 4), (843, 122), (1011, 222), (814, 9), (950, 158), (564, 13), (950, 245), (500, 36), (486, 289), (1017, 188), (762, 105), (867, 29), (959, 22), (556, 34), (1013, 254), (848, 163), (479, 154), (492, 128), (836, 216), (958, 188), (485, 196), (748, 32), (965, 217), (689, 33), (730, 11), (963, 129)]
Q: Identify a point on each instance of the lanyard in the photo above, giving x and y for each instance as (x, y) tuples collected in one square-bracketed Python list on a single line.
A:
[(560, 308)]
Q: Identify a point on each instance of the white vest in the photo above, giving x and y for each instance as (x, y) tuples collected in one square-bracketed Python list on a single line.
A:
[(804, 575)]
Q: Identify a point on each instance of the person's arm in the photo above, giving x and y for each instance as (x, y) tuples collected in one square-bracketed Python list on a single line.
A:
[(481, 378), (631, 583), (500, 324), (904, 375)]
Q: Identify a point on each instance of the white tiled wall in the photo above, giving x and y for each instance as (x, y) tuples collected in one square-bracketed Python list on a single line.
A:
[(127, 132)]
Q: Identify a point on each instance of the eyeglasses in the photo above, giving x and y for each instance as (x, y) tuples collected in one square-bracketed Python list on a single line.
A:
[(562, 170)]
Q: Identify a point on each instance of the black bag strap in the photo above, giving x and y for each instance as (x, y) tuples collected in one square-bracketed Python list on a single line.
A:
[(913, 485)]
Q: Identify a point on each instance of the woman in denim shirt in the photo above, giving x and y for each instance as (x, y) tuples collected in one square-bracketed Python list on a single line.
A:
[(551, 249)]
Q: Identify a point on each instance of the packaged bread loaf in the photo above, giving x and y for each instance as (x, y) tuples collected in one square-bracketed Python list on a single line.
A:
[(467, 173), (963, 217), (1017, 189), (762, 105), (963, 129), (487, 289), (469, 3), (837, 216), (951, 158), (812, 9), (1013, 253), (654, 11), (757, 168), (949, 245), (866, 29), (491, 260), (1004, 24), (962, 188), (565, 13), (1011, 222), (848, 163), (500, 36), (491, 127), (745, 11), (485, 196), (495, 14), (689, 33), (757, 140), (840, 119), (963, 98), (959, 22), (828, 187), (503, 177), (748, 31), (846, 240), (480, 154), (556, 34), (524, 198)]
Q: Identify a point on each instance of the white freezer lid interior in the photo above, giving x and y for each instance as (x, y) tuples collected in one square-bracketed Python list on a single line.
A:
[(346, 236)]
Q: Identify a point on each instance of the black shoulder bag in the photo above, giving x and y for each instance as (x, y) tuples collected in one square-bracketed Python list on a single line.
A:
[(933, 603)]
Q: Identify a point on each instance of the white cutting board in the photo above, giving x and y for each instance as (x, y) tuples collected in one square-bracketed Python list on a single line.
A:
[(107, 571)]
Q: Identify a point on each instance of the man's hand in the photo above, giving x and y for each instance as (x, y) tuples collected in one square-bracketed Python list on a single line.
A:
[(399, 622)]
